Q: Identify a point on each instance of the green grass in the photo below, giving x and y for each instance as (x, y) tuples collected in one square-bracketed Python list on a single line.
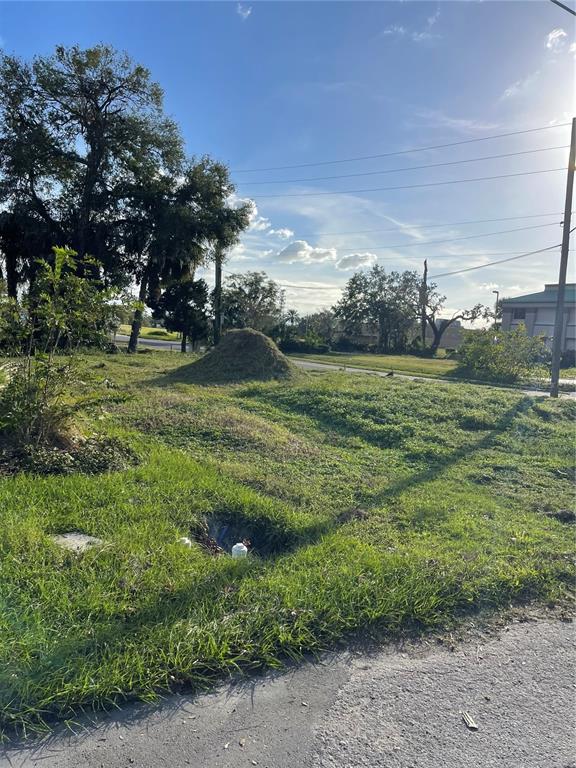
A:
[(383, 503), (420, 366), (150, 333), (435, 367)]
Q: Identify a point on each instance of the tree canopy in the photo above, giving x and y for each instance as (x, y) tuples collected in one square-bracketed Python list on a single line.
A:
[(251, 300), (385, 301), (88, 159)]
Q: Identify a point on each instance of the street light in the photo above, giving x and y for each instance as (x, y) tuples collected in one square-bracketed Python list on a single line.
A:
[(496, 309)]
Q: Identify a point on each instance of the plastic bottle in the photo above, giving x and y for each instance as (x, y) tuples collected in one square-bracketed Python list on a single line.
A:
[(239, 550)]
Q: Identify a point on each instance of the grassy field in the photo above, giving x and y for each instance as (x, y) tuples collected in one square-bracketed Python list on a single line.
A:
[(150, 333), (436, 367), (382, 503), (420, 366)]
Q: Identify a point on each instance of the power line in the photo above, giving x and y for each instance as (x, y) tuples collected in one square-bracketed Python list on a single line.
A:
[(429, 226), (492, 263), (565, 7), (312, 287), (411, 186), (409, 168), (450, 240), (432, 277), (402, 151)]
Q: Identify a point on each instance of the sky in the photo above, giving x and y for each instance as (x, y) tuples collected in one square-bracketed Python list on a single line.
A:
[(289, 93)]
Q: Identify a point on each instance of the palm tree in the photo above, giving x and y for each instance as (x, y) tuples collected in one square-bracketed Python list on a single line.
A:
[(292, 317)]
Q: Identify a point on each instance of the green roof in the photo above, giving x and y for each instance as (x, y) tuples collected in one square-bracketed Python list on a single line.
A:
[(548, 296)]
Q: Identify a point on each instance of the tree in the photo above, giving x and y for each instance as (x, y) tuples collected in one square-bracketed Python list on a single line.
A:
[(501, 356), (184, 308), (188, 222), (323, 324), (251, 300), (385, 302), (431, 304), (292, 317), (88, 158), (81, 132)]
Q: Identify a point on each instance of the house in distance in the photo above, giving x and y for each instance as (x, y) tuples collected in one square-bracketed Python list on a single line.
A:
[(537, 311)]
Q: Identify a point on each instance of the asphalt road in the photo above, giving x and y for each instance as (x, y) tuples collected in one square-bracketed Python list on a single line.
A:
[(387, 709)]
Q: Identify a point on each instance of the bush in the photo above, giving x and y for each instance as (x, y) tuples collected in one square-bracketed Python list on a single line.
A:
[(344, 344), (504, 356), (62, 312), (568, 359), (32, 407), (303, 346), (87, 457), (13, 326), (65, 309)]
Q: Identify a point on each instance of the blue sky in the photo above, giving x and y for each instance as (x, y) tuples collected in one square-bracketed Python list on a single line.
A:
[(267, 84)]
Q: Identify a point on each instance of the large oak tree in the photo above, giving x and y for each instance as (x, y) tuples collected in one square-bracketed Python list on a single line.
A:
[(88, 159)]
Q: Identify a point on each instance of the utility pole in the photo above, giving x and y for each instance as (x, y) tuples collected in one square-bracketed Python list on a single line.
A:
[(559, 319), (496, 309), (423, 296), (217, 296)]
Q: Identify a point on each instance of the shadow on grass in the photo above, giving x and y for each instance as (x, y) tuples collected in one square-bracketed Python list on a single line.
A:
[(436, 468), (390, 438), (212, 587)]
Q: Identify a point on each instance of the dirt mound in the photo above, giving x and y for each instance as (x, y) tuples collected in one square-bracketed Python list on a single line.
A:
[(242, 355)]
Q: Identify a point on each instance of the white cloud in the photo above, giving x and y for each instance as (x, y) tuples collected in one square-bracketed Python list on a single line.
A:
[(415, 35), (555, 39), (412, 230), (243, 11), (572, 48), (259, 223), (299, 251), (355, 261), (467, 126), (283, 233), (397, 30), (434, 18), (520, 86), (238, 253)]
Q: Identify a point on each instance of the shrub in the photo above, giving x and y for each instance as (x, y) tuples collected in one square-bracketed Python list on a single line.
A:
[(344, 344), (303, 346), (65, 308), (62, 311), (13, 326), (505, 356), (32, 406)]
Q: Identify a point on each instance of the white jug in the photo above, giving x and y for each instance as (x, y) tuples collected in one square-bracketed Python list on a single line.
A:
[(239, 550)]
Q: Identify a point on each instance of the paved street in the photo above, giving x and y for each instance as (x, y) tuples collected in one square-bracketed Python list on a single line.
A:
[(388, 709)]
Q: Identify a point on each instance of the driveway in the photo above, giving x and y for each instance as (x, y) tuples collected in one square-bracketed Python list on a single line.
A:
[(393, 708)]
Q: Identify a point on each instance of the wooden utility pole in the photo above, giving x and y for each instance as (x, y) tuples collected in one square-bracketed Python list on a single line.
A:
[(423, 297), (559, 319), (218, 296)]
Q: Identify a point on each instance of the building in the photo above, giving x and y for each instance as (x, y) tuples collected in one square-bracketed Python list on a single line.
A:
[(537, 311)]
